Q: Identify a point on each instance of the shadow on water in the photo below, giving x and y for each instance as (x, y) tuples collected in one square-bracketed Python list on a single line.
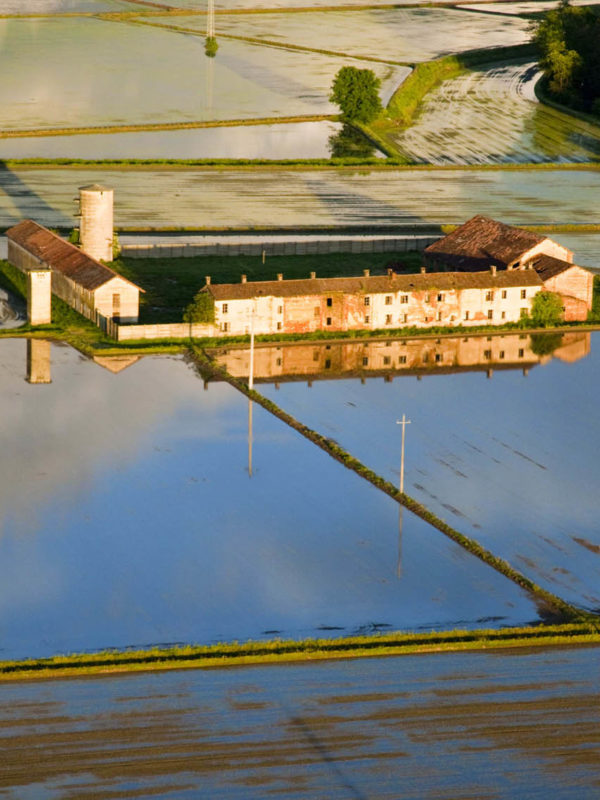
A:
[(27, 202), (350, 143)]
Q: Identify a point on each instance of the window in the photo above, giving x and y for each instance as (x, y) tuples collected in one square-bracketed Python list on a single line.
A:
[(225, 308), (521, 352), (327, 363), (316, 355), (438, 358), (503, 315), (487, 354), (504, 294), (365, 361), (367, 319), (278, 362), (279, 326), (523, 294), (328, 320), (116, 307), (523, 312), (402, 360), (425, 357), (439, 316), (280, 309), (441, 297), (466, 315), (427, 298), (387, 360), (490, 314), (367, 301), (489, 296), (388, 299), (405, 318), (388, 319), (501, 354), (404, 298), (329, 302), (317, 312), (225, 327)]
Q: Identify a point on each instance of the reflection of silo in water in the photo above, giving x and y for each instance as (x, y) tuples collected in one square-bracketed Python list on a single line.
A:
[(38, 361), (96, 225)]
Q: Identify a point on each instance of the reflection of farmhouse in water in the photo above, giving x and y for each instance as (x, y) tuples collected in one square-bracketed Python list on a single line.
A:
[(396, 357)]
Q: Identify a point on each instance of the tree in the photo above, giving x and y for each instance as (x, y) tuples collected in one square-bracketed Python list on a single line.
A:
[(201, 309), (546, 309), (350, 143), (355, 92)]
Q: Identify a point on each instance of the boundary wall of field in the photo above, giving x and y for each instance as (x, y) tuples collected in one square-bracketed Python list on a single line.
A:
[(297, 247)]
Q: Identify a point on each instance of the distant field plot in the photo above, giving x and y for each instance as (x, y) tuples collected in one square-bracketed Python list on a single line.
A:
[(398, 34), (497, 458), (200, 5), (522, 8), (492, 116), (133, 85), (291, 140), (275, 197), (63, 6)]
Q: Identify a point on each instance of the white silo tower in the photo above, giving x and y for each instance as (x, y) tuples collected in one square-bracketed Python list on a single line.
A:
[(96, 224)]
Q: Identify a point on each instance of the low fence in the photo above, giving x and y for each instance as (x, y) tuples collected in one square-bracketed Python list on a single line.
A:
[(175, 330), (299, 247)]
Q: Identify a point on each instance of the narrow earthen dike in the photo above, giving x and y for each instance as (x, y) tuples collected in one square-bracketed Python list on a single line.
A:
[(551, 602)]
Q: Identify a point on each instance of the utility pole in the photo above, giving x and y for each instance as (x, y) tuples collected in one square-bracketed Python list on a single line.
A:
[(210, 20), (251, 376), (404, 422)]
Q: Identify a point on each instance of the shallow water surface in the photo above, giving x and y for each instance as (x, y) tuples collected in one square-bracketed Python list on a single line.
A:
[(470, 725), (128, 517), (507, 456)]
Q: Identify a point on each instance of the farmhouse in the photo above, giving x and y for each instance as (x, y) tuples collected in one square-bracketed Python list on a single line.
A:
[(482, 243), (373, 302), (88, 286)]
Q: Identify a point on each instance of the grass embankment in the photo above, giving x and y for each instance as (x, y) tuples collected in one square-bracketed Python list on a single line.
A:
[(171, 283), (544, 95), (279, 651), (67, 324), (406, 100), (552, 604)]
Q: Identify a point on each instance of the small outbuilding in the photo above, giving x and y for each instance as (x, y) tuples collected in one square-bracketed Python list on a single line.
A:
[(87, 285)]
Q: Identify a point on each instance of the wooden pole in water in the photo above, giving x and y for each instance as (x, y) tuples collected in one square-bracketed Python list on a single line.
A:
[(210, 20)]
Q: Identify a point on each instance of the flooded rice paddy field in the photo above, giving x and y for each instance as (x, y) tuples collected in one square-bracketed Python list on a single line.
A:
[(64, 6), (133, 85), (506, 455), (277, 197), (449, 128), (471, 725), (407, 35), (284, 140), (129, 518), (535, 7)]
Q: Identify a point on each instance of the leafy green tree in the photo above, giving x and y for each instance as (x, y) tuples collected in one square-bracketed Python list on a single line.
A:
[(201, 309), (355, 92), (546, 309), (211, 46)]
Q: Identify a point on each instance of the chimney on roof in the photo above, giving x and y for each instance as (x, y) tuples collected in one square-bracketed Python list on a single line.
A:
[(280, 276), (207, 279), (423, 270), (366, 273), (313, 275), (494, 270), (243, 279)]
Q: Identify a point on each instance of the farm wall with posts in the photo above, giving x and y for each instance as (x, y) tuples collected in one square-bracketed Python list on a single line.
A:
[(297, 361), (297, 247)]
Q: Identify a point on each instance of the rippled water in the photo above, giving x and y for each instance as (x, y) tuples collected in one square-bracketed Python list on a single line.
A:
[(505, 455), (129, 517)]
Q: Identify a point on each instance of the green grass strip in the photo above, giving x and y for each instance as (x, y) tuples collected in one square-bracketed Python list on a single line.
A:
[(278, 651), (552, 603)]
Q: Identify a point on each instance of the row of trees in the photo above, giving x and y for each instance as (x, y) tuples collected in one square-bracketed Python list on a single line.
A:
[(568, 40)]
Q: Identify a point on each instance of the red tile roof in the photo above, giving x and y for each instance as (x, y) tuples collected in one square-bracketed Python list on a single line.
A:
[(62, 256), (446, 281), (482, 242), (549, 267)]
